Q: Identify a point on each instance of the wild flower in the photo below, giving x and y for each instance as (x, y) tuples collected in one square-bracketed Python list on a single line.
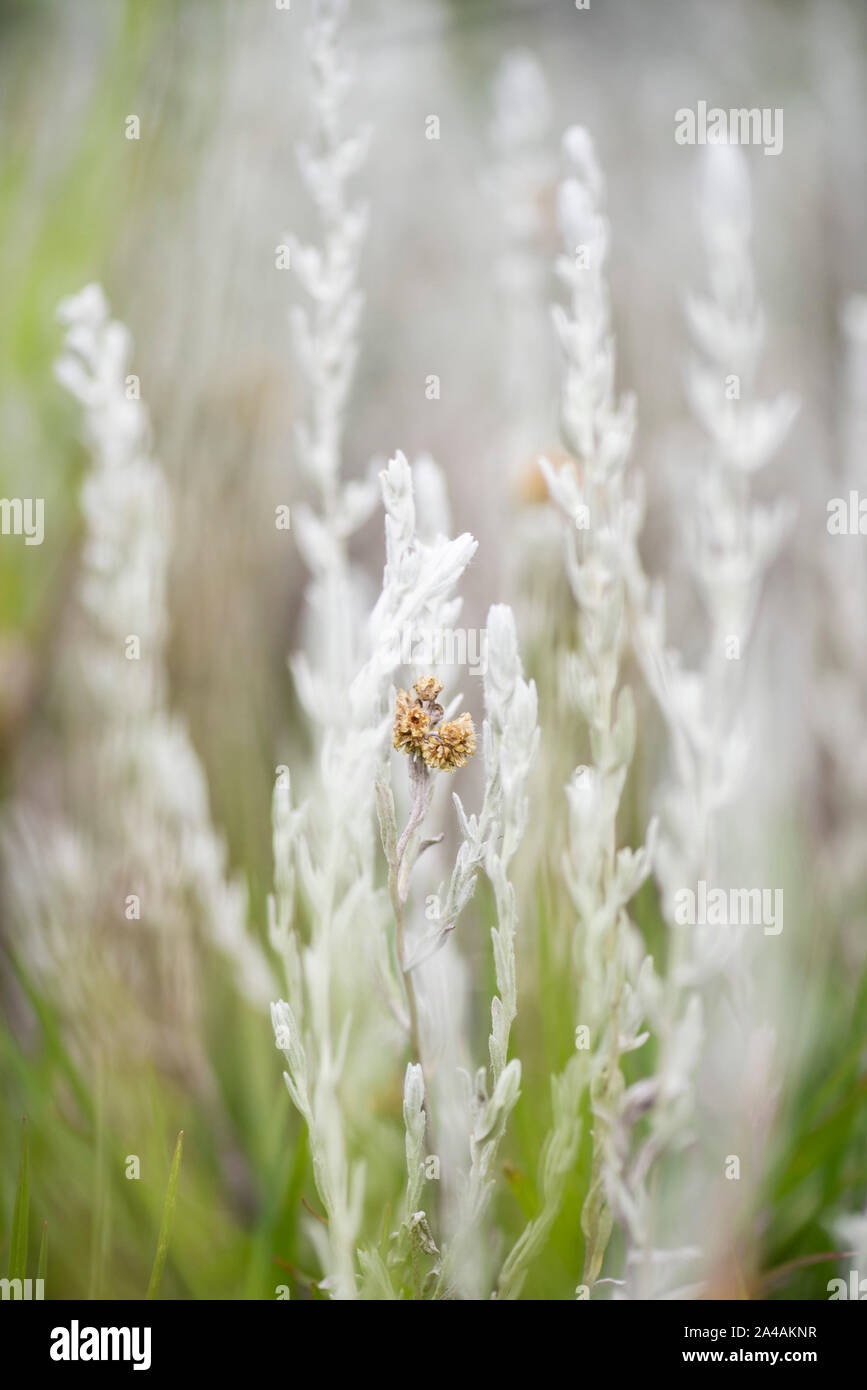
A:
[(329, 841), (510, 738), (332, 843), (451, 744), (420, 731), (412, 719)]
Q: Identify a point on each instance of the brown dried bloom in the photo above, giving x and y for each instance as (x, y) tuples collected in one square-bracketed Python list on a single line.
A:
[(411, 723), (452, 745), (428, 687), (417, 728)]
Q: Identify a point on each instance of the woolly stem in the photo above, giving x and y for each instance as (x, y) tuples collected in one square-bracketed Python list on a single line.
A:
[(420, 781)]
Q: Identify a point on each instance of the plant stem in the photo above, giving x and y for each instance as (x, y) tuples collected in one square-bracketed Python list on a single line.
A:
[(420, 780)]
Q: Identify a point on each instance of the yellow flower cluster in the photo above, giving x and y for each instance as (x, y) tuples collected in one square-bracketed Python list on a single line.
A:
[(419, 731)]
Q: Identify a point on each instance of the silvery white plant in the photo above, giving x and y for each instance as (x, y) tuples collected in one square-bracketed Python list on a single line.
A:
[(520, 177), (510, 739), (733, 540), (131, 819), (332, 843), (162, 791), (520, 180), (344, 679), (615, 984), (490, 840), (326, 344), (336, 841)]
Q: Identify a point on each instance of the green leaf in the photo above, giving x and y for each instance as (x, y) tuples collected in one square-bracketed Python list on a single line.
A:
[(168, 1218), (820, 1147), (21, 1213)]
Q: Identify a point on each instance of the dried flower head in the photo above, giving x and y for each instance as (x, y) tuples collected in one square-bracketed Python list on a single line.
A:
[(451, 745), (411, 723), (427, 687), (417, 728)]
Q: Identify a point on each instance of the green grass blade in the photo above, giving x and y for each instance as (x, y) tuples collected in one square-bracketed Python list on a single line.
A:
[(168, 1218), (21, 1213), (42, 1267)]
